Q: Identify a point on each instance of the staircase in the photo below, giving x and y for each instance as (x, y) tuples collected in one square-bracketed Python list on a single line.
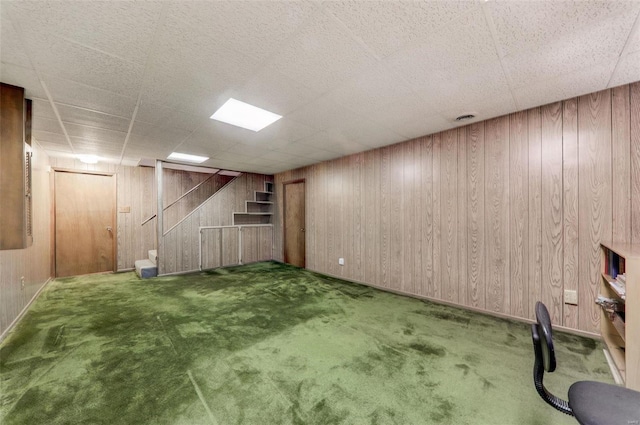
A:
[(149, 267)]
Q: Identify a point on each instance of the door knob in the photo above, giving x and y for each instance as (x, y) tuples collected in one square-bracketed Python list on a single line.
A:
[(109, 229), (302, 230)]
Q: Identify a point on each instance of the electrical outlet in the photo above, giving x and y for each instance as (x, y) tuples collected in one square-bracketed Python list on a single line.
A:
[(341, 261), (22, 282), (570, 296)]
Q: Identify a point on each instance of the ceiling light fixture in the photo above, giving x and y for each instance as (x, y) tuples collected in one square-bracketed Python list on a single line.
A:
[(186, 157), (244, 115), (88, 159), (465, 117)]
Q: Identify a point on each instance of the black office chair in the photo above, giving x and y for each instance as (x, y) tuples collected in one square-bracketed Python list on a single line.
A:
[(592, 403)]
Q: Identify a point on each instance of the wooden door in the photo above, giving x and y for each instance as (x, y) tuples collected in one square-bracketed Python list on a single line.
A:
[(84, 223), (294, 223)]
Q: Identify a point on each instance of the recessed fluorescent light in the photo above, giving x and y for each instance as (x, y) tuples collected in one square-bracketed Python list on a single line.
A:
[(88, 159), (186, 157), (244, 115)]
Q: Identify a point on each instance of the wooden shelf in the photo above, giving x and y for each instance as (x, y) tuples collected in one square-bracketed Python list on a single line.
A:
[(624, 352), (609, 279)]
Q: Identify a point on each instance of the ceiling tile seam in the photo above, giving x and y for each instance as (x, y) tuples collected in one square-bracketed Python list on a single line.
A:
[(494, 36), (113, 55), (353, 36), (634, 29), (18, 30), (68, 105), (175, 149), (145, 70), (261, 65), (57, 113)]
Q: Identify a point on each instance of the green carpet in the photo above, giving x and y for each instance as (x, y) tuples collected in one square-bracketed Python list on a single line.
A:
[(271, 344)]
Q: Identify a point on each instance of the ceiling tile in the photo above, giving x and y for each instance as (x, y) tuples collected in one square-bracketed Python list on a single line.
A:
[(403, 22), (73, 115), (270, 90), (22, 77), (51, 138), (402, 116), (278, 134), (123, 29), (47, 124), (135, 150), (95, 134), (321, 55), (323, 113), (53, 147), (305, 151), (525, 25), (192, 72), (12, 50), (161, 115), (461, 47), (564, 87), (627, 71), (163, 135), (42, 109), (254, 29), (330, 143), (376, 87), (633, 44), (599, 43), (458, 94), (76, 94), (64, 59)]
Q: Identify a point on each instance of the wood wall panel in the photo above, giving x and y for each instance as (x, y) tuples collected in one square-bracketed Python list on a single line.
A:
[(570, 206), (448, 214), (385, 217), (535, 208), (396, 219), (497, 215), (634, 98), (621, 160), (594, 186), (408, 217), (514, 207), (475, 217), (519, 213), (32, 263), (462, 210), (552, 256), (436, 199), (426, 215)]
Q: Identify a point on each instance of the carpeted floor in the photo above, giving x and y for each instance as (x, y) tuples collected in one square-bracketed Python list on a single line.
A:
[(271, 344)]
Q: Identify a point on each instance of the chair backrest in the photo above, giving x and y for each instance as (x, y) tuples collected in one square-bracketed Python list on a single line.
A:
[(546, 337), (545, 357)]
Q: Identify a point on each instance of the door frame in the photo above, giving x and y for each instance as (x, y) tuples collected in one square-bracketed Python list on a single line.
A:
[(114, 244), (284, 212)]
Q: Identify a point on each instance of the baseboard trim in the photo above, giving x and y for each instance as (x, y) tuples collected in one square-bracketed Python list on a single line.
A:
[(24, 310), (464, 307)]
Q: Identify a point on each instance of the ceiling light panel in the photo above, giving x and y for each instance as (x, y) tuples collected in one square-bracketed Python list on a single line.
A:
[(177, 156), (243, 115)]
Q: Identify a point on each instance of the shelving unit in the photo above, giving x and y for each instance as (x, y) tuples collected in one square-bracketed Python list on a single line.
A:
[(621, 329), (259, 210)]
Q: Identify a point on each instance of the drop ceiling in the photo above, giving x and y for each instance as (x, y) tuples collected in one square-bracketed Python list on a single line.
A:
[(132, 80)]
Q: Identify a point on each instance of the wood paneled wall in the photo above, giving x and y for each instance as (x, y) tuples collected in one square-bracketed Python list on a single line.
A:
[(33, 263), (494, 215), (179, 250)]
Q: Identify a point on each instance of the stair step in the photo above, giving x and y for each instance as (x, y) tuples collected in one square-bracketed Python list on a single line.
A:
[(153, 256), (146, 269)]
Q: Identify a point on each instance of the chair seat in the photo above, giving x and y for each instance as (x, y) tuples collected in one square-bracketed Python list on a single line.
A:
[(597, 403)]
